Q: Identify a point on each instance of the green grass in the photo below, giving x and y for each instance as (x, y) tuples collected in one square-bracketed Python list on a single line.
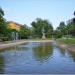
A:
[(67, 41)]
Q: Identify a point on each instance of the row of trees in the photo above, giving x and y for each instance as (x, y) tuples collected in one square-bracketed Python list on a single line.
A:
[(3, 25), (63, 30), (6, 33), (36, 30), (38, 27), (25, 31), (67, 30)]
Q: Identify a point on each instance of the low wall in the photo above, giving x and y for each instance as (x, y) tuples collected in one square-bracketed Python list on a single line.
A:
[(13, 43), (67, 46)]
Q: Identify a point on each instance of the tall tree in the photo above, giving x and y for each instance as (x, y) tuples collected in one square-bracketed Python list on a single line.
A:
[(62, 29), (1, 12), (3, 27), (71, 28), (24, 32), (38, 26)]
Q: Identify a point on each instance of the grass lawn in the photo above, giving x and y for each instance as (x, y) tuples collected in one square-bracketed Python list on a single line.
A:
[(67, 41)]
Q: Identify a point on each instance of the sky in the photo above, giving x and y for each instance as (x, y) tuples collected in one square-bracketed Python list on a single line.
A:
[(26, 11)]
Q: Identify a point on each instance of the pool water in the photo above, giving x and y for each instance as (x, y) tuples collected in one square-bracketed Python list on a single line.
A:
[(37, 58)]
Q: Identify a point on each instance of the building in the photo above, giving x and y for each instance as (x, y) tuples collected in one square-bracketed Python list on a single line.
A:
[(14, 25)]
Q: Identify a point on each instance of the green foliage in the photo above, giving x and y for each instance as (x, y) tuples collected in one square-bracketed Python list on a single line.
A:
[(3, 26), (1, 12), (67, 41), (57, 34), (61, 30), (38, 25), (71, 28), (68, 29), (24, 32)]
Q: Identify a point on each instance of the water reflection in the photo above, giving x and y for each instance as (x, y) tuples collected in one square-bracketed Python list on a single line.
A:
[(1, 64), (72, 55), (26, 59), (69, 53), (62, 51), (42, 52), (16, 48)]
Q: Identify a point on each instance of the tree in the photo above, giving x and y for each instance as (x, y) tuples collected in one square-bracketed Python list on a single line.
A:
[(1, 12), (3, 24), (71, 28), (24, 32), (61, 29), (38, 25)]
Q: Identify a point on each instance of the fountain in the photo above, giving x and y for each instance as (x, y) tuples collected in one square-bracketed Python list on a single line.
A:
[(43, 34)]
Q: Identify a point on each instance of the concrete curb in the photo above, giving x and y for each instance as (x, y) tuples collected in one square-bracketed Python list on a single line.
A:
[(66, 46), (7, 45)]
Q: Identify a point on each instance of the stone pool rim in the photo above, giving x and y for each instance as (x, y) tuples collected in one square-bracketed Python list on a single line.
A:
[(18, 42)]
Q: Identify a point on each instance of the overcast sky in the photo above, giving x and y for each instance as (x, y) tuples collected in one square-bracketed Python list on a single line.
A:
[(26, 11)]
